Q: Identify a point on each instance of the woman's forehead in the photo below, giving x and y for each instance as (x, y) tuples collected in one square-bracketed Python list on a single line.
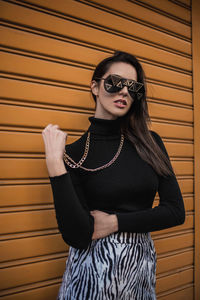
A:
[(122, 69)]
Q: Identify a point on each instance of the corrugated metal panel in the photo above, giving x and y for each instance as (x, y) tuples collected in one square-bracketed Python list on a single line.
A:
[(196, 101), (49, 52)]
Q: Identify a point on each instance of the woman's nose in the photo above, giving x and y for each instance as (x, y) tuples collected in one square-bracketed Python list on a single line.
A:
[(124, 91)]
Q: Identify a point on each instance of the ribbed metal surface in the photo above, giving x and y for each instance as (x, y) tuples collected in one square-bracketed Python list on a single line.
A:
[(49, 50)]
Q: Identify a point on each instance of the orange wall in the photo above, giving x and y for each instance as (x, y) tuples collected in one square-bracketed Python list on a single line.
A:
[(49, 52)]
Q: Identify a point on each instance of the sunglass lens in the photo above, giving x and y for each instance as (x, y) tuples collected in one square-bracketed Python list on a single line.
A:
[(112, 84), (138, 86)]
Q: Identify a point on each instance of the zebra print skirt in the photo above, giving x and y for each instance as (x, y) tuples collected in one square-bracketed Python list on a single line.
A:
[(120, 266)]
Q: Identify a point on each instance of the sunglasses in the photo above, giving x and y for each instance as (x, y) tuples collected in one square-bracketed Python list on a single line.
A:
[(114, 83)]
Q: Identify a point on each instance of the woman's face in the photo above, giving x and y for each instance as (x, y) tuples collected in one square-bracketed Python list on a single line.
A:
[(114, 105)]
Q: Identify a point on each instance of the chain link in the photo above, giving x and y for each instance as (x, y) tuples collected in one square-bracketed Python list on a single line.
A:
[(75, 165), (83, 158)]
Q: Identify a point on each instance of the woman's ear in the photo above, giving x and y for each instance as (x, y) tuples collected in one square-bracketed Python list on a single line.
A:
[(94, 87)]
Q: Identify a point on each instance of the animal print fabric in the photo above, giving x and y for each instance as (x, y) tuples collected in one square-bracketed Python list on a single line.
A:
[(121, 266)]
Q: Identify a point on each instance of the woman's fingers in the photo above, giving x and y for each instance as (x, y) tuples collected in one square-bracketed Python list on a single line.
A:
[(54, 140), (53, 129), (98, 213), (49, 127)]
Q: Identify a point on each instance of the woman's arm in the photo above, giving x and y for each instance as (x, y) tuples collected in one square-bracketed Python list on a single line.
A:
[(73, 217), (170, 211), (75, 222)]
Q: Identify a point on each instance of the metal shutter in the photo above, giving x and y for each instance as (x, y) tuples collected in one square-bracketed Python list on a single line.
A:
[(49, 50)]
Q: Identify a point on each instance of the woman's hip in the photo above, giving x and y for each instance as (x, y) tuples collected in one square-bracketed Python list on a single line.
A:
[(122, 264)]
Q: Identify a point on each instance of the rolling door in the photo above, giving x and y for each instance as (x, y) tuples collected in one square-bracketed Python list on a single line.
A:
[(49, 52)]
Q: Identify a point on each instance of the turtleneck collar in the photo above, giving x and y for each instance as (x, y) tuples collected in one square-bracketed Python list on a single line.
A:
[(104, 127)]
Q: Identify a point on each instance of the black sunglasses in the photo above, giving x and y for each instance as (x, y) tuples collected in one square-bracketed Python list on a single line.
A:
[(114, 83)]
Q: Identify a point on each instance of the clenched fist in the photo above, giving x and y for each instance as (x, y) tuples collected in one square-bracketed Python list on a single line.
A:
[(54, 141)]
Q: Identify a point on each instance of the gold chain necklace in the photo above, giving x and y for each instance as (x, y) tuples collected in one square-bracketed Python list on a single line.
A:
[(75, 165)]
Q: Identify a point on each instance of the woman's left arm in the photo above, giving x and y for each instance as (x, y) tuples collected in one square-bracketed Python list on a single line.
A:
[(170, 211)]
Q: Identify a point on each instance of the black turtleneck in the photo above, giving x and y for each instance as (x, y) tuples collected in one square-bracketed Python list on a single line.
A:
[(126, 188)]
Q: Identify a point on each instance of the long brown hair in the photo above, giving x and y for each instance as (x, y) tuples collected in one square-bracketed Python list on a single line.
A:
[(135, 123)]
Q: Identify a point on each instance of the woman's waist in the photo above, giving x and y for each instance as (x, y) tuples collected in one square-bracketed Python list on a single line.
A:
[(120, 209), (127, 238)]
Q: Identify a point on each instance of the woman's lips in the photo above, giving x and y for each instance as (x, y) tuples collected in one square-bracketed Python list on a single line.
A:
[(120, 103)]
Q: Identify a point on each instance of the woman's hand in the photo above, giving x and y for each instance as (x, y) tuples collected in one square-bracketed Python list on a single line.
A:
[(104, 224), (54, 141)]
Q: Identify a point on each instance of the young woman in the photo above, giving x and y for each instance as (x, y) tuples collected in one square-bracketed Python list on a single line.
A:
[(104, 185)]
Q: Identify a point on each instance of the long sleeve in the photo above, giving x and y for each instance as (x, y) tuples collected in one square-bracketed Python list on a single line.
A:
[(170, 211), (73, 217)]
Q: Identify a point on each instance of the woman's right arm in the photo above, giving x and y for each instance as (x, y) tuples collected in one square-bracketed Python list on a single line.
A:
[(75, 222)]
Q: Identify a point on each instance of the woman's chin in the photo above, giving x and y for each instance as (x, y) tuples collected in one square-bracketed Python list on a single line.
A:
[(119, 113), (111, 113)]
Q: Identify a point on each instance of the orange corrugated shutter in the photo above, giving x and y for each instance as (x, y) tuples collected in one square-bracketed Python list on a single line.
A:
[(49, 50)]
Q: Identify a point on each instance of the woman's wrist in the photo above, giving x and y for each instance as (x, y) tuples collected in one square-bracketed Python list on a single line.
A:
[(114, 223), (56, 167)]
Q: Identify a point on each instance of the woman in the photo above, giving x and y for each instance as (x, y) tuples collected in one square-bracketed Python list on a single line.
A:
[(104, 189)]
